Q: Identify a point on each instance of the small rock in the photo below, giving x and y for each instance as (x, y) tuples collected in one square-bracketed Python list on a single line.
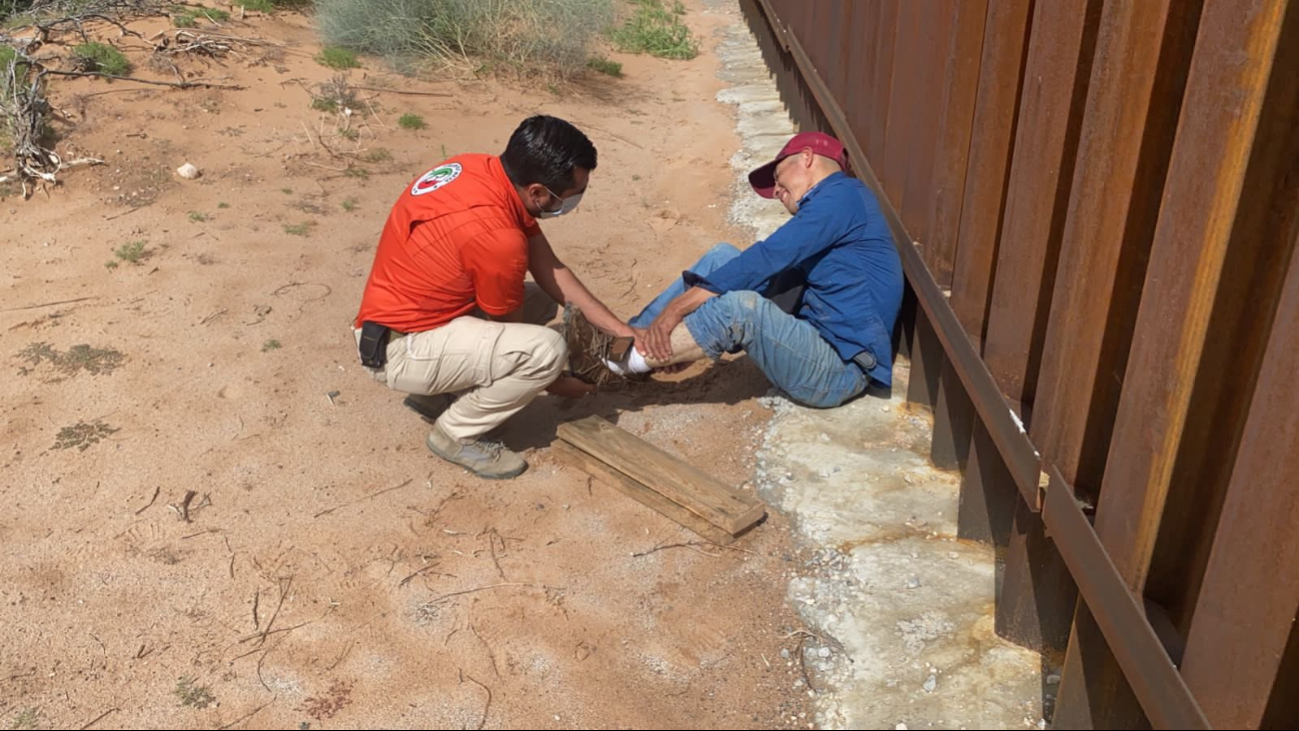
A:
[(931, 684), (1053, 679), (953, 555), (824, 652), (188, 172), (913, 582), (784, 654), (900, 726)]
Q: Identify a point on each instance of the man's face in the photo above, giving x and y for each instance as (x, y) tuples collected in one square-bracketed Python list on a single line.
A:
[(793, 179), (540, 199)]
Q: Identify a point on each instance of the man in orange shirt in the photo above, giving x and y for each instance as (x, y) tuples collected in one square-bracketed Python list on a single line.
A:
[(458, 243)]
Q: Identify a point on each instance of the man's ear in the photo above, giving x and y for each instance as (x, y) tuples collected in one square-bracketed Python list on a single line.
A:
[(807, 157)]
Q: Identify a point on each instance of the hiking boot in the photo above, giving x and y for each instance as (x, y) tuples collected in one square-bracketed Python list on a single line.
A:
[(589, 347), (489, 460), (429, 407)]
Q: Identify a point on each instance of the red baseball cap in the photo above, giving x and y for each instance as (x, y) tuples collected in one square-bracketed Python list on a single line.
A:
[(763, 179)]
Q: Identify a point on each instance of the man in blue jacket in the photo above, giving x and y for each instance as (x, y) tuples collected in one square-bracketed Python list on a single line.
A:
[(813, 305)]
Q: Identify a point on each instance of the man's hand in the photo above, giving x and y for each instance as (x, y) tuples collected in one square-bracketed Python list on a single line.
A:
[(657, 338), (570, 387)]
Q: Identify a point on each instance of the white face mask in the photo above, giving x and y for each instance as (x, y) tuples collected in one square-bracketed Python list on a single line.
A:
[(567, 205)]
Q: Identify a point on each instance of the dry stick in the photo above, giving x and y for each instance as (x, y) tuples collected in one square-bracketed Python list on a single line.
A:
[(491, 543), (47, 304), (284, 591), (453, 594), (173, 84), (341, 655), (802, 663), (363, 499), (693, 544), (487, 707), (127, 213), (184, 505), (405, 93), (104, 715), (245, 717), (425, 570), (261, 660), (257, 600), (156, 490), (491, 655)]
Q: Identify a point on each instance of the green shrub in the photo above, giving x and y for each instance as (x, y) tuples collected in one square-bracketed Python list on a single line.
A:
[(655, 30), (523, 37), (102, 58)]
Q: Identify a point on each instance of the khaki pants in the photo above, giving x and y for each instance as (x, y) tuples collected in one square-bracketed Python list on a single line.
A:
[(497, 367)]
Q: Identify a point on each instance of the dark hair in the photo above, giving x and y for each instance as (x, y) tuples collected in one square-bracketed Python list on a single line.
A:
[(545, 150)]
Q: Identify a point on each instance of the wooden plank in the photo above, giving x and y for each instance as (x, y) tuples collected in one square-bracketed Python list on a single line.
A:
[(960, 88), (676, 480), (640, 493), (1005, 42), (1056, 75)]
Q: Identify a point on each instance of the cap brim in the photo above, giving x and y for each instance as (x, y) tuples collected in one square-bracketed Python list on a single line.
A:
[(763, 179)]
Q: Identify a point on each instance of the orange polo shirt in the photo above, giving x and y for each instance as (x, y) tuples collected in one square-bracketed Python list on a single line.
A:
[(456, 239)]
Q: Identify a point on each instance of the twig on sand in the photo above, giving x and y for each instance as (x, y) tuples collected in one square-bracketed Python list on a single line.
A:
[(693, 545), (371, 496), (247, 716), (200, 84), (475, 590), (488, 706), (104, 715), (153, 500)]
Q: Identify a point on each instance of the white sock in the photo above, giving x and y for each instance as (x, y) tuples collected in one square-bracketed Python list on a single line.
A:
[(633, 363)]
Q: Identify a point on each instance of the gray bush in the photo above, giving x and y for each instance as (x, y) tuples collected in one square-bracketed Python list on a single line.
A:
[(527, 37)]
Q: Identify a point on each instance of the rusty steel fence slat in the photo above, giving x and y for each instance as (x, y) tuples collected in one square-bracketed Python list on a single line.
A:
[(1111, 190)]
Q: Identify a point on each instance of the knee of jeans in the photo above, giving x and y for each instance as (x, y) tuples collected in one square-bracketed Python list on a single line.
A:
[(742, 305), (724, 248)]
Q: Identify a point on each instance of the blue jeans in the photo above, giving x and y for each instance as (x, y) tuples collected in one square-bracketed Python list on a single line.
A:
[(790, 351)]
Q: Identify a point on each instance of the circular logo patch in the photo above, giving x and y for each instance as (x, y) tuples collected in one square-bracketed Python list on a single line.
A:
[(436, 178)]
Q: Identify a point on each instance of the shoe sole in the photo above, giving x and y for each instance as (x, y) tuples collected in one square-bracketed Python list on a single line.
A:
[(500, 476)]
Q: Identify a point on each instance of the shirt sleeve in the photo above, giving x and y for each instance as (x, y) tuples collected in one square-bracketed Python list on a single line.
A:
[(811, 231), (497, 262)]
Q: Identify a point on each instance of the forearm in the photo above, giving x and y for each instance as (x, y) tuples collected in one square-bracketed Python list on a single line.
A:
[(687, 303), (572, 290)]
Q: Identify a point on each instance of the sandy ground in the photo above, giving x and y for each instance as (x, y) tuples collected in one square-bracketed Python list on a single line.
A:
[(327, 570)]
